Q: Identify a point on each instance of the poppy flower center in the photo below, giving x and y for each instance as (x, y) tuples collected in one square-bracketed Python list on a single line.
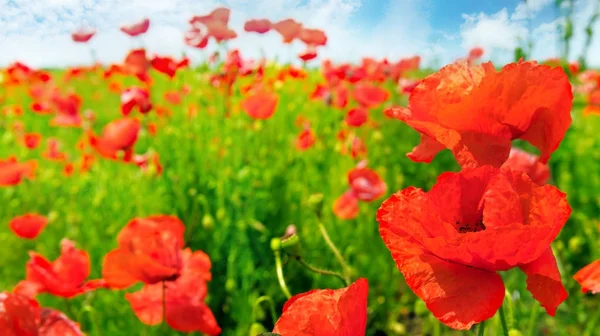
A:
[(470, 227)]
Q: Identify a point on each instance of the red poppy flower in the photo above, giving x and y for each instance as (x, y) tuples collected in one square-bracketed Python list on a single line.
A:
[(449, 242), (67, 108), (260, 105), (475, 53), (65, 277), (53, 152), (369, 95), (28, 226), (83, 35), (136, 29), (313, 37), (149, 251), (165, 65), (357, 116), (144, 161), (173, 97), (346, 206), (196, 37), (32, 140), (22, 316), (220, 15), (522, 161), (339, 312), (13, 172), (184, 301), (135, 97), (477, 111), (258, 26), (366, 184), (289, 29), (306, 139), (589, 278), (137, 64), (219, 31), (40, 108), (309, 54), (118, 135)]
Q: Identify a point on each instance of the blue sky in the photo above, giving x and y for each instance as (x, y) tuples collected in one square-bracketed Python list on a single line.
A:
[(37, 31)]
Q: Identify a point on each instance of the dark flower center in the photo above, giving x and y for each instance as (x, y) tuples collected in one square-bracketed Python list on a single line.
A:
[(470, 227)]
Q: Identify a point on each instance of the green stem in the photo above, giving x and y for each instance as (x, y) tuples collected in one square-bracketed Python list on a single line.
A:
[(503, 322), (532, 320), (319, 270), (336, 252), (481, 330), (262, 299), (280, 277)]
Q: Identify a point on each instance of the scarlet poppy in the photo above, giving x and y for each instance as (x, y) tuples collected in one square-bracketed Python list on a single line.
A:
[(146, 160), (135, 97), (13, 172), (477, 111), (289, 29), (83, 35), (137, 64), (196, 37), (258, 26), (313, 37), (366, 184), (32, 140), (260, 105), (520, 160), (369, 95), (339, 312), (346, 206), (165, 65), (475, 53), (220, 15), (65, 277), (309, 54), (28, 226), (149, 251), (173, 97), (184, 305), (450, 242), (136, 29), (357, 116), (53, 151), (306, 139), (118, 135), (67, 110), (589, 278)]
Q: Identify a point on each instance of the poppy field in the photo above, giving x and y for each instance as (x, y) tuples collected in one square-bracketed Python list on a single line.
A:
[(231, 196)]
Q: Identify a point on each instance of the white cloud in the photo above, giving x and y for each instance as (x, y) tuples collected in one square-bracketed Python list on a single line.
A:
[(529, 9)]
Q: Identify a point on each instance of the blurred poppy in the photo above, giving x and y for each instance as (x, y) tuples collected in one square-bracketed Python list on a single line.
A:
[(366, 184), (136, 29), (260, 105), (289, 29), (32, 140), (451, 109), (339, 312), (54, 323), (28, 226), (220, 15), (173, 97), (346, 206), (309, 54), (118, 135), (589, 278), (149, 251), (306, 139), (147, 160), (83, 35), (368, 95), (53, 152), (165, 65), (13, 172), (184, 305), (475, 54), (67, 110), (135, 97), (357, 116), (257, 26), (137, 64), (65, 277), (450, 242), (520, 160), (314, 37)]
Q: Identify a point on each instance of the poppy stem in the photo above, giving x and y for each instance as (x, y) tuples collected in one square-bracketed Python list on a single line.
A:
[(260, 300), (280, 277), (319, 270), (503, 321), (336, 252)]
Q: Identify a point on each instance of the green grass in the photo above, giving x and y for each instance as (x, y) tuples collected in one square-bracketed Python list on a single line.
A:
[(237, 183)]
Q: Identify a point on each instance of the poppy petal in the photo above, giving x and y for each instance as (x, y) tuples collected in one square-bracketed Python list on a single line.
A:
[(122, 269), (55, 323), (544, 282), (589, 278), (192, 316)]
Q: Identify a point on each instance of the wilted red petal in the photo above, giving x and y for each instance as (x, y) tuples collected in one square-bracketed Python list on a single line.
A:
[(544, 282), (589, 278), (28, 226)]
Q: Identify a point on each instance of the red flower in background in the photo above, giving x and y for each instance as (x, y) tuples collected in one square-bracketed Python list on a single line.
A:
[(220, 15), (450, 242), (260, 105), (258, 26), (53, 152), (477, 111), (306, 139), (149, 251), (21, 316), (214, 24), (118, 135), (13, 172), (369, 95), (173, 97), (346, 206), (168, 65), (289, 29), (136, 29), (67, 110), (340, 312), (65, 277), (313, 37), (366, 184), (185, 309), (137, 64), (32, 140), (520, 160), (309, 54), (135, 97), (357, 116), (589, 278), (28, 226), (83, 35)]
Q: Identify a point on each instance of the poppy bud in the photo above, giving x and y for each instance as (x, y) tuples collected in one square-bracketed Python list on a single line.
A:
[(398, 328), (257, 329), (290, 238), (575, 244), (316, 201), (208, 222), (275, 244)]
